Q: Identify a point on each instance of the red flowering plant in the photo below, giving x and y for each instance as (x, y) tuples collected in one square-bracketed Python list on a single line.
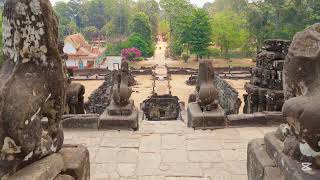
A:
[(131, 53)]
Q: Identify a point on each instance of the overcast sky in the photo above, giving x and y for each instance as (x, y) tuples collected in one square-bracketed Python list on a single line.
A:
[(199, 3)]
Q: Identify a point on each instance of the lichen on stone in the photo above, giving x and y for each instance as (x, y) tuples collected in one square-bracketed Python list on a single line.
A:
[(35, 7), (21, 8)]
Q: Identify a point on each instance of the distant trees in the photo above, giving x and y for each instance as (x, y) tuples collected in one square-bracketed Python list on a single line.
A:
[(229, 31), (141, 25)]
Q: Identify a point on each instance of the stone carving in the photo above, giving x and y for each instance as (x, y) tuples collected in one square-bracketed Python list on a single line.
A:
[(264, 91), (301, 88), (207, 94), (206, 112), (121, 112), (32, 84), (121, 91)]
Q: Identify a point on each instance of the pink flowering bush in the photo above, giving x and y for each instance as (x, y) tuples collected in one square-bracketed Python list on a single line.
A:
[(131, 53)]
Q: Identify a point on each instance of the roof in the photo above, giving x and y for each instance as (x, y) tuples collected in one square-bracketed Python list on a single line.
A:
[(77, 40)]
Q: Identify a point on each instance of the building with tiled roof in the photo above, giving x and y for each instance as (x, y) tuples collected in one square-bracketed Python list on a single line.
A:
[(81, 54)]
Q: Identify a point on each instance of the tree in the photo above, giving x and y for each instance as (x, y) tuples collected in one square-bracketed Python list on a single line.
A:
[(152, 10), (72, 28), (198, 36), (135, 40), (90, 32), (229, 31), (141, 25)]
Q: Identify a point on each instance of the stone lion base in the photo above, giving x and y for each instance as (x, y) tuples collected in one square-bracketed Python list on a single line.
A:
[(266, 161), (71, 163), (121, 117), (197, 119)]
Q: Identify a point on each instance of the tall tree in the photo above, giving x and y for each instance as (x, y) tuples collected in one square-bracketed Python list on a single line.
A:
[(152, 9), (141, 25), (228, 31), (194, 31)]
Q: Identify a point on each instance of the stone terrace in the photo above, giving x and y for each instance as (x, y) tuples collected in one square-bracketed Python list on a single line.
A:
[(167, 151)]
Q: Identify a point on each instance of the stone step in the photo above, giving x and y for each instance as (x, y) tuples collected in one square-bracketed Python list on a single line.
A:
[(260, 166)]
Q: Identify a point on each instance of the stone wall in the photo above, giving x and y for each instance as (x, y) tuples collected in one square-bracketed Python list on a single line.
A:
[(265, 89), (101, 97), (228, 96)]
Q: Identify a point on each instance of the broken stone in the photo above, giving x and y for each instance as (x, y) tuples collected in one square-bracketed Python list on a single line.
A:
[(76, 161)]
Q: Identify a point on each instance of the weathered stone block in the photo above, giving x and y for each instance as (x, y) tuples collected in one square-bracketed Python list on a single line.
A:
[(85, 121), (258, 160), (46, 168), (76, 161), (115, 110), (107, 121), (199, 119), (291, 169)]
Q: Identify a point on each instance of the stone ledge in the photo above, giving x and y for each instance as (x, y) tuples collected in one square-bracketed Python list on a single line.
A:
[(197, 119), (290, 168), (119, 122), (259, 164), (256, 119), (46, 168)]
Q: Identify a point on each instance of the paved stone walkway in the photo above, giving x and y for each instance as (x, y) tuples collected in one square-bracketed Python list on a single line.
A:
[(167, 151)]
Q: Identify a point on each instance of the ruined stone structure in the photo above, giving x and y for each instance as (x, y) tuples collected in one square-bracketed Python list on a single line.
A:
[(228, 96), (161, 105), (206, 111), (293, 152), (121, 112), (101, 97), (32, 89), (265, 87)]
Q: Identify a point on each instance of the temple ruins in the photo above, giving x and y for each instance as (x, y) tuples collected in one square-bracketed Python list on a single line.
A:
[(265, 90), (293, 151)]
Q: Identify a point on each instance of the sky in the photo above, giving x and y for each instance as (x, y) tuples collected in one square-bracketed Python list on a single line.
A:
[(199, 3)]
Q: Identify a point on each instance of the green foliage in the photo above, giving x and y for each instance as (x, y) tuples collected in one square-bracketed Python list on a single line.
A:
[(90, 32), (141, 25), (199, 36), (139, 59), (176, 48), (164, 27), (137, 41), (152, 10), (228, 31)]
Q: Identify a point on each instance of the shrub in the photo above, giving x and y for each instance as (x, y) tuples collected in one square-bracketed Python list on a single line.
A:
[(139, 59), (137, 41), (130, 53)]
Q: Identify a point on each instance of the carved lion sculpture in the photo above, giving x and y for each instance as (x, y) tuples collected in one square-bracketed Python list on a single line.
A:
[(208, 97), (121, 90), (302, 89), (32, 84)]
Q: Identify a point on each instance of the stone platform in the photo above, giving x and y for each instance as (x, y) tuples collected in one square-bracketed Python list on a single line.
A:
[(71, 163), (167, 150), (115, 117), (198, 119), (266, 160)]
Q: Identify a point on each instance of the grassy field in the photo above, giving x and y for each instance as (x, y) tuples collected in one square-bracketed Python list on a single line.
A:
[(194, 64)]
